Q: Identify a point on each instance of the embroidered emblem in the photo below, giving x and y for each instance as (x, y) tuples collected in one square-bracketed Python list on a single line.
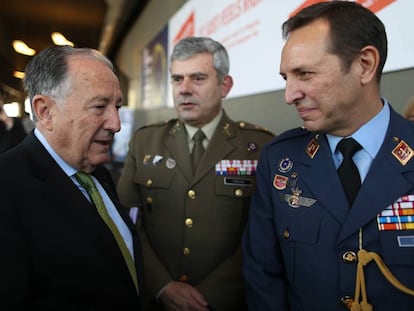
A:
[(293, 180), (280, 182), (170, 163), (251, 147), (296, 201), (227, 130), (312, 148), (285, 165), (146, 159), (157, 159), (403, 152)]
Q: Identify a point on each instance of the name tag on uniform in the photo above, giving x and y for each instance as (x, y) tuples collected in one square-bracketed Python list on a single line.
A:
[(238, 182), (406, 241)]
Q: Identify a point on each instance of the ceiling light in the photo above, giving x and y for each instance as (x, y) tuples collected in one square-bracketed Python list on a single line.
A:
[(60, 39), (18, 74), (12, 109), (22, 48)]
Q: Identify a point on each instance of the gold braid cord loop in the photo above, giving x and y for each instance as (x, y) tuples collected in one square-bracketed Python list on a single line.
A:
[(364, 258)]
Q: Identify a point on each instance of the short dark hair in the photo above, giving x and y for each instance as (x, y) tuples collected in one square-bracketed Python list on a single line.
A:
[(352, 27)]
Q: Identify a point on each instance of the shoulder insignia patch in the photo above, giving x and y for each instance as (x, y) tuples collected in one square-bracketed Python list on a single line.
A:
[(251, 126), (293, 133), (158, 124)]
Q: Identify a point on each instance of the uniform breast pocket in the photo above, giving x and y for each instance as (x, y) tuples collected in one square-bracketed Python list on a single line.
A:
[(234, 186), (153, 182), (299, 233), (152, 177), (398, 247)]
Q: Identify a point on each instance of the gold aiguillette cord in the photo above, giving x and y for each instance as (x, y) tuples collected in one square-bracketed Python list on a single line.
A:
[(364, 258)]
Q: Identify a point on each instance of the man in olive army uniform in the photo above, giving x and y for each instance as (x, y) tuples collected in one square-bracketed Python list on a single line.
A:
[(193, 194)]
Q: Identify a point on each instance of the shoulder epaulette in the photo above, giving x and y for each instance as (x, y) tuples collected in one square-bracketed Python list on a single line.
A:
[(250, 126), (158, 124), (292, 133)]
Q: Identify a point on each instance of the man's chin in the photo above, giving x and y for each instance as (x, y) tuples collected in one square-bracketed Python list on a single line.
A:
[(100, 159), (311, 126), (188, 117)]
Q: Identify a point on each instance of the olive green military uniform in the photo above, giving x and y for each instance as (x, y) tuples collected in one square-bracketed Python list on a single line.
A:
[(191, 224)]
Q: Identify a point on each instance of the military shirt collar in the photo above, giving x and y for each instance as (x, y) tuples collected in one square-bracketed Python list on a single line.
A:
[(208, 129)]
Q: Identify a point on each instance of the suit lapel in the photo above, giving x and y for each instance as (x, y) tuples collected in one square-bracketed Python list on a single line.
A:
[(71, 205), (320, 176), (387, 180), (176, 144)]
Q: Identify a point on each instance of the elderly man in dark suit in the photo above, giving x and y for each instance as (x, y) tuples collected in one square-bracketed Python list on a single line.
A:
[(67, 243)]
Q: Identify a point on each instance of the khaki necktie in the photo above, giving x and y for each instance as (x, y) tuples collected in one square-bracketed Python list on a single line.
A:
[(87, 182), (348, 172), (198, 148)]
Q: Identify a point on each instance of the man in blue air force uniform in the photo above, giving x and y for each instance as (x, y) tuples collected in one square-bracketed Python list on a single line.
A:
[(315, 240)]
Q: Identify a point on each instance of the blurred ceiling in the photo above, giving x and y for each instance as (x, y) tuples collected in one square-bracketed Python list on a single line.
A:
[(99, 24)]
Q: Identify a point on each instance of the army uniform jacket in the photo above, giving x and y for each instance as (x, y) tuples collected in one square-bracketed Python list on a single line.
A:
[(299, 252), (192, 224)]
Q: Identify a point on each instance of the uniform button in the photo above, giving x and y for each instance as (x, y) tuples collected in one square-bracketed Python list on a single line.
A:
[(186, 251), (149, 200), (149, 182), (191, 194), (183, 278), (349, 257), (189, 222), (286, 234), (238, 192), (347, 301)]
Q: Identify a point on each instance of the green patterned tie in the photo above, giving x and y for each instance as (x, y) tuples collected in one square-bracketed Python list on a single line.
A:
[(87, 182)]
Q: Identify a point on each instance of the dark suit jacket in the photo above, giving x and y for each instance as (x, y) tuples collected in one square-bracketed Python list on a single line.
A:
[(298, 258), (192, 224), (57, 253)]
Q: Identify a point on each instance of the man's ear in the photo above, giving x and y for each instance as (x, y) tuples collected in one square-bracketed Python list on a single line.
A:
[(369, 61), (42, 107), (226, 86)]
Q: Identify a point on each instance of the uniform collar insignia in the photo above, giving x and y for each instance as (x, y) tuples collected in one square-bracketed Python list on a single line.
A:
[(312, 148), (403, 152), (227, 130), (176, 127)]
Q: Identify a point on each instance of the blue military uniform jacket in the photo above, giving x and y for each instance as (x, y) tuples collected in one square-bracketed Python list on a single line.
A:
[(301, 240)]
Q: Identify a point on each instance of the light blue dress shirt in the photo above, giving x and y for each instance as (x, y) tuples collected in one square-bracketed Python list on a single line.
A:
[(112, 211), (370, 136)]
